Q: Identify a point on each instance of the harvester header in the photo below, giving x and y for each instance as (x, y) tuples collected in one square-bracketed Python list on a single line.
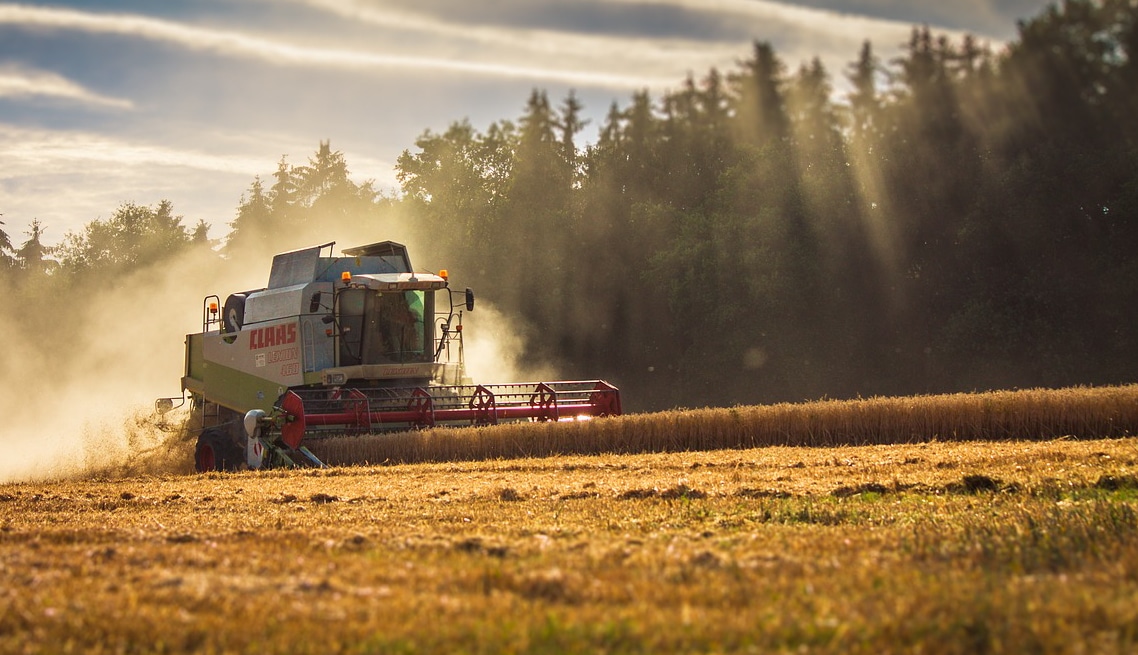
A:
[(355, 344)]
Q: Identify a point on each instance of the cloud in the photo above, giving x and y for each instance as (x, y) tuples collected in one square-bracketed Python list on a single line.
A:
[(30, 150), (497, 25), (240, 44), (623, 51), (100, 171), (987, 19), (656, 41), (66, 178), (19, 82), (413, 40)]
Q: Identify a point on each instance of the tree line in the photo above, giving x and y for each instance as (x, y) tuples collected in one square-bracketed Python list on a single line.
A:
[(954, 219)]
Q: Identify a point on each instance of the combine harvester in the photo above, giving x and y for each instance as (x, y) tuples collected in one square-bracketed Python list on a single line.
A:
[(351, 345)]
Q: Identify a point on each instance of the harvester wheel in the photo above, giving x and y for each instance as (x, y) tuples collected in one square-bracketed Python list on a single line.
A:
[(216, 452)]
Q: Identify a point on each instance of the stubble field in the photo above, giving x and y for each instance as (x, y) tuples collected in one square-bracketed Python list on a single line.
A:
[(934, 547)]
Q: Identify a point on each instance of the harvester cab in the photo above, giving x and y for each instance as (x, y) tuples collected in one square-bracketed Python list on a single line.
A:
[(349, 345)]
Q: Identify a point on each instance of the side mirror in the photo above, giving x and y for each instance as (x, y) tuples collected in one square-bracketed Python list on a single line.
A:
[(327, 319), (314, 304), (469, 299)]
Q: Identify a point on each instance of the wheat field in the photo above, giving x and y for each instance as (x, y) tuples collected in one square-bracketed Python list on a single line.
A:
[(1080, 412), (1016, 543)]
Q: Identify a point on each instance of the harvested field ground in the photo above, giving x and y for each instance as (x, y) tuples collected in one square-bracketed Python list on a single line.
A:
[(976, 547)]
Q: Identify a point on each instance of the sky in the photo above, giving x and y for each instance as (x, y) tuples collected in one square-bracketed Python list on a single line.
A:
[(104, 102)]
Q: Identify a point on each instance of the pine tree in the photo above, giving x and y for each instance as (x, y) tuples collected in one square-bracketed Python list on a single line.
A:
[(254, 219), (6, 260), (864, 101), (759, 107), (32, 255)]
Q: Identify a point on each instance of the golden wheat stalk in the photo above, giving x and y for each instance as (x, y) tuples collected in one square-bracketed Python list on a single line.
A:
[(1034, 414)]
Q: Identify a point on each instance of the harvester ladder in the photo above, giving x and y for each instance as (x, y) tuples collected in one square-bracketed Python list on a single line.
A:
[(211, 414), (211, 312)]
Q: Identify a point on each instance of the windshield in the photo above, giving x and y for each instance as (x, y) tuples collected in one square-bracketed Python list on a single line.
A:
[(386, 328)]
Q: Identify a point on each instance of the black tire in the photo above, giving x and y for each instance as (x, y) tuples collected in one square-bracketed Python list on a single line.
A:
[(217, 452), (233, 314)]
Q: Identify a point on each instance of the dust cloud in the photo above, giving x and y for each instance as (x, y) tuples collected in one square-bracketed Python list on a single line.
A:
[(81, 370), (493, 349)]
